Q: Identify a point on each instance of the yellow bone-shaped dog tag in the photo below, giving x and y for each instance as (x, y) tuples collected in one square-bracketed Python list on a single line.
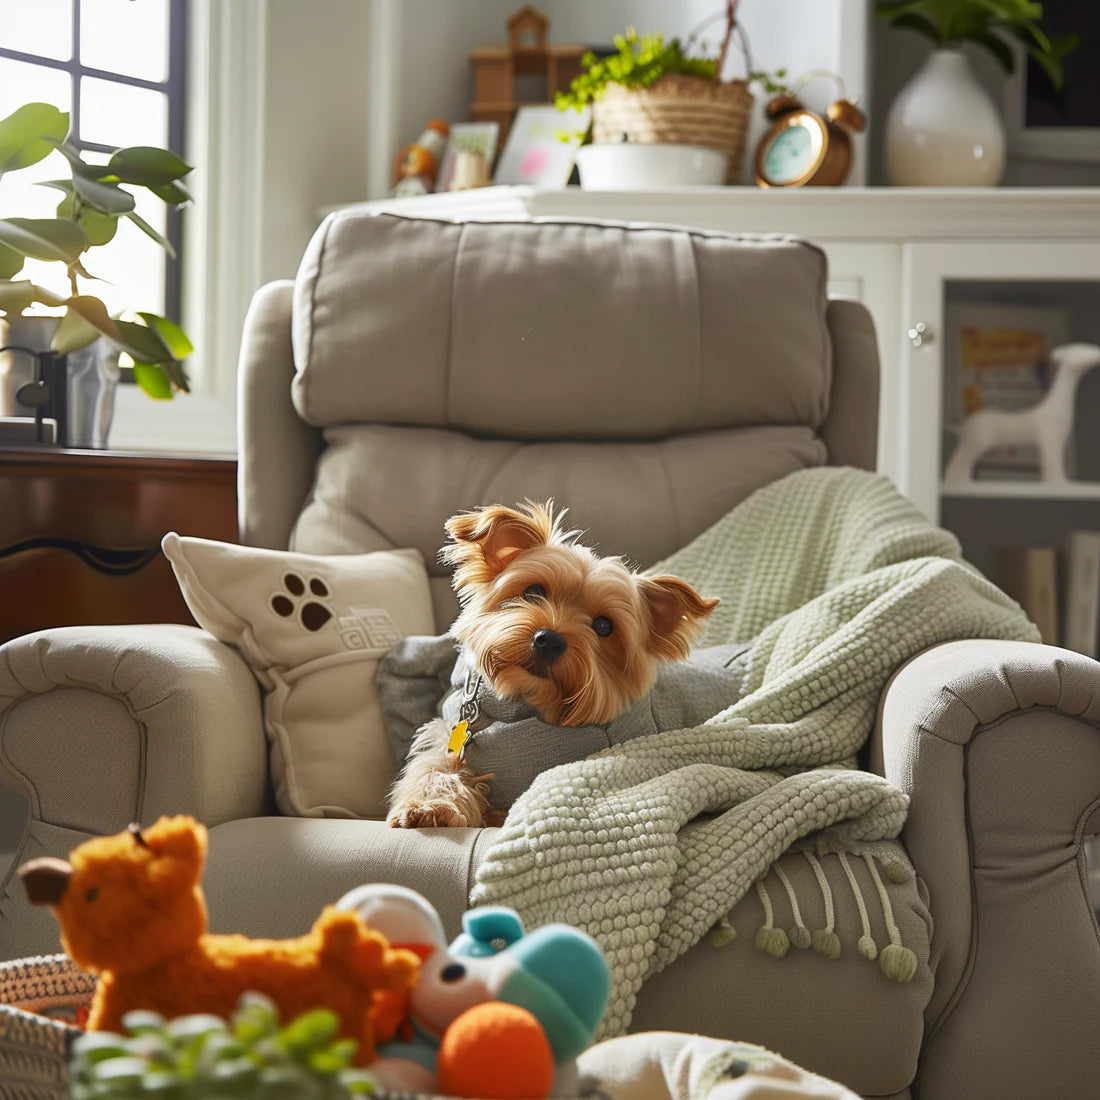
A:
[(459, 736)]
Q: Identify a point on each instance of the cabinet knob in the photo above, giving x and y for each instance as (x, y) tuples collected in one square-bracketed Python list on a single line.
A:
[(920, 334)]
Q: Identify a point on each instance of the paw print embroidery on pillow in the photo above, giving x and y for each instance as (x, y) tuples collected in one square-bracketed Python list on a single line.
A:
[(311, 614)]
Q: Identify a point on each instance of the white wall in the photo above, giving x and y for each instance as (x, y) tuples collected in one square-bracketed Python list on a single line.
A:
[(428, 69), (317, 114)]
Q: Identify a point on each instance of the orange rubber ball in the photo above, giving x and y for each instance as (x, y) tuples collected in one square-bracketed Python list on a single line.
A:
[(495, 1051)]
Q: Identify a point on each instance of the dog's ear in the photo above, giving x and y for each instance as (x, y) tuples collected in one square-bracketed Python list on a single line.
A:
[(676, 614), (485, 541)]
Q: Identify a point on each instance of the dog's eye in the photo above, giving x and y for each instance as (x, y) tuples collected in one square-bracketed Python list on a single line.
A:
[(603, 626), (92, 894), (534, 592)]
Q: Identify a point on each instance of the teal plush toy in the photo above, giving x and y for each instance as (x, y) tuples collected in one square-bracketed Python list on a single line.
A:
[(556, 973)]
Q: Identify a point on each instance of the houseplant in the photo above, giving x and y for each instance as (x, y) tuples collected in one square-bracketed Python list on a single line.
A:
[(943, 129), (656, 93), (94, 198)]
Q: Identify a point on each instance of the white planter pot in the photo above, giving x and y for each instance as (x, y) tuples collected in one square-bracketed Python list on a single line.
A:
[(90, 380), (943, 130), (629, 166)]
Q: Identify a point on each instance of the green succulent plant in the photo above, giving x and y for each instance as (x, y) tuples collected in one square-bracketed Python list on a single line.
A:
[(203, 1057), (992, 24), (637, 63), (94, 198)]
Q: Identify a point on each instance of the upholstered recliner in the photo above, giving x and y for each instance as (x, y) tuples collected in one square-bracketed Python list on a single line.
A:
[(649, 378)]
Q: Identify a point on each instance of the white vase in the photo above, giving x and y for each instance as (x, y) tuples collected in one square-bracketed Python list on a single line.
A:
[(943, 129)]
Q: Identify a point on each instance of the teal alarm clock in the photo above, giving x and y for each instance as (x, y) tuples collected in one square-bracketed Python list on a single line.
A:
[(805, 149)]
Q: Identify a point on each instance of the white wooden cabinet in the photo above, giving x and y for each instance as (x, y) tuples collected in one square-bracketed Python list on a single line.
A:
[(897, 250)]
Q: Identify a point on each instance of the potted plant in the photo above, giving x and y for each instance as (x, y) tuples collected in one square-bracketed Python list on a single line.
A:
[(943, 129), (75, 346), (661, 114)]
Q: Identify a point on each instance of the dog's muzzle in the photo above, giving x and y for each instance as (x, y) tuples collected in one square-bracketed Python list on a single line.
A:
[(548, 646), (46, 879)]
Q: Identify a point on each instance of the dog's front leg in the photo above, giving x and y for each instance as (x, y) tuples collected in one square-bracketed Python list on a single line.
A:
[(436, 788)]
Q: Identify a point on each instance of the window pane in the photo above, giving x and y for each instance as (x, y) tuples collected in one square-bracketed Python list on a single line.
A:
[(23, 83), (43, 27), (19, 198), (125, 37), (120, 114)]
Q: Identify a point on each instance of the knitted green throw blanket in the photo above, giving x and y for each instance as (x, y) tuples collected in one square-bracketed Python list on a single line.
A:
[(837, 579)]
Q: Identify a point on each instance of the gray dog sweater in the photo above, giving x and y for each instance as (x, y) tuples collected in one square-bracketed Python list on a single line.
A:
[(424, 678)]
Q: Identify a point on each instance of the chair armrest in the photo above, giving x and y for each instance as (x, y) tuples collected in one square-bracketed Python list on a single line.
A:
[(997, 746), (100, 726)]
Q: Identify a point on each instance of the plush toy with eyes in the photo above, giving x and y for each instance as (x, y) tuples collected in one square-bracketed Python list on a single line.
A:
[(132, 912), (498, 1014)]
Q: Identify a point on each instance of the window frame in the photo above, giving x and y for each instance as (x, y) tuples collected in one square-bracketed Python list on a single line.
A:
[(173, 87)]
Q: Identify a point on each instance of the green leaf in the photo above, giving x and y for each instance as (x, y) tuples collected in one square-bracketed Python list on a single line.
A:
[(310, 1031), (108, 198), (100, 228), (153, 381), (80, 166), (24, 132), (16, 295), (175, 339), (44, 238), (145, 165), (174, 193), (11, 262), (998, 47), (921, 24), (149, 231), (1052, 66), (142, 343), (85, 320)]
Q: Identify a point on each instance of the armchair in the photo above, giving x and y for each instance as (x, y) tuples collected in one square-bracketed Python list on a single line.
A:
[(414, 368)]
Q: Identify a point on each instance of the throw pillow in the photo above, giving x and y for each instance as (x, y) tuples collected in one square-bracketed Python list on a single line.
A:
[(312, 628)]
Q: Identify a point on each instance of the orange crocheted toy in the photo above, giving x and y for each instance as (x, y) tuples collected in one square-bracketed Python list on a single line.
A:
[(132, 911)]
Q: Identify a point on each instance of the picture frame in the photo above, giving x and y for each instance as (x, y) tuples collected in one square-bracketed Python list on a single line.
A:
[(995, 357), (1058, 127), (479, 137), (536, 151)]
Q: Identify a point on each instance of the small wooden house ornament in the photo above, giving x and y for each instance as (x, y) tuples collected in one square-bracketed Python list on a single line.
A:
[(542, 70)]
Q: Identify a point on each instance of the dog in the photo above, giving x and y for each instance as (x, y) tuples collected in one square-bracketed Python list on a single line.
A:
[(547, 622)]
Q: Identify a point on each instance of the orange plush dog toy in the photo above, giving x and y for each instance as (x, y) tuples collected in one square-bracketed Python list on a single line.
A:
[(132, 912)]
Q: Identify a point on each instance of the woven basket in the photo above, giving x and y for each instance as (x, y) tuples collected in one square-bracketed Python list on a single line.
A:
[(34, 1046), (678, 110)]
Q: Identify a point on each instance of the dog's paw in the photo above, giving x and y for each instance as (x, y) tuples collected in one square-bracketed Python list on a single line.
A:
[(428, 816)]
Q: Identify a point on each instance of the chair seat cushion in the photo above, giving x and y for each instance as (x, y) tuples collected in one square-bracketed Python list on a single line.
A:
[(842, 1017)]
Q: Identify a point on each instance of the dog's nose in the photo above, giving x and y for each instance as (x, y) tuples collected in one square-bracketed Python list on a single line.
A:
[(549, 645), (45, 879)]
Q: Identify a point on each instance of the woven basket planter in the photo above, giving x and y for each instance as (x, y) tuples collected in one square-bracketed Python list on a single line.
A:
[(678, 110), (34, 1046)]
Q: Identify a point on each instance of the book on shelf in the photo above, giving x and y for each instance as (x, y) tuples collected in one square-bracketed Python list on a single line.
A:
[(1029, 574), (1082, 592)]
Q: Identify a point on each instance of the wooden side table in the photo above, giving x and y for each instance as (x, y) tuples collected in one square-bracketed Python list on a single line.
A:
[(80, 533)]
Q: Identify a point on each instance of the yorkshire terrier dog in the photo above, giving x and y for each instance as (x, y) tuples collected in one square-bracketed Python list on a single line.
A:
[(546, 622)]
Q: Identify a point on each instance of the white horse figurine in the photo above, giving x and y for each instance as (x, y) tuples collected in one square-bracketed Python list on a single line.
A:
[(1046, 425)]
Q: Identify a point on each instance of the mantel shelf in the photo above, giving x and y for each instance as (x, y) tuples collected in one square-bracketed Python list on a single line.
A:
[(817, 213), (1023, 490)]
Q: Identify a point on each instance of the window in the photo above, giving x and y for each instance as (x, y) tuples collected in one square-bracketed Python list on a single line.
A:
[(118, 67)]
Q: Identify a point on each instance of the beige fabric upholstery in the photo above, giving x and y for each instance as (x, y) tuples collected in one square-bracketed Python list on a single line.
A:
[(998, 746), (101, 726), (851, 431), (431, 323), (368, 474)]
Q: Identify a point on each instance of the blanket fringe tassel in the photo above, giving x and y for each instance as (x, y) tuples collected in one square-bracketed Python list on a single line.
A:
[(896, 961)]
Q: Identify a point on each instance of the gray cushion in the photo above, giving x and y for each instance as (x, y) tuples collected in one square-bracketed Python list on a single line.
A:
[(495, 328)]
